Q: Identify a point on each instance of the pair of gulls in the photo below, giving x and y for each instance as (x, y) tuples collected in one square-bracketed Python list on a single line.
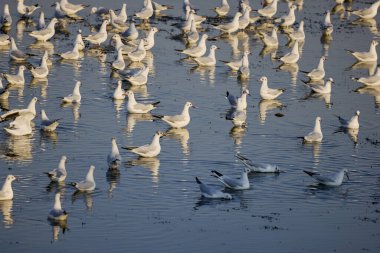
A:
[(317, 136), (241, 66)]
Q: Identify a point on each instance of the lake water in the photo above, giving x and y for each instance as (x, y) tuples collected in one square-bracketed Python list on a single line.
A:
[(155, 204)]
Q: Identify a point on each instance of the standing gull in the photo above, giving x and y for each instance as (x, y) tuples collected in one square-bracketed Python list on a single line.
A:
[(368, 13), (42, 71), (293, 56), (149, 150), (138, 78), (270, 41), (17, 79), (268, 93), (370, 56), (322, 89), (319, 72), (231, 27), (223, 9), (119, 61), (235, 100), (71, 9), (270, 10), (101, 36), (181, 120), (47, 124), (207, 60), (289, 19), (15, 53), (146, 12), (199, 50)]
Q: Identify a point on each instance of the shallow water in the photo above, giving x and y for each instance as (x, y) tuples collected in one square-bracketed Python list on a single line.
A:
[(155, 204)]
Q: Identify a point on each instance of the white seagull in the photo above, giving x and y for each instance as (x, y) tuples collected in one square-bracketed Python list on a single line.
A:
[(319, 72), (181, 120), (197, 51), (352, 123), (316, 135), (131, 33), (146, 12), (135, 107), (42, 71), (370, 56), (138, 78), (235, 65), (138, 54), (270, 10), (289, 19), (75, 97), (299, 34), (368, 13), (6, 192), (15, 53), (70, 8), (211, 192), (223, 9), (72, 54), (243, 71), (119, 63), (99, 37), (79, 40), (59, 174), (88, 184), (47, 124), (17, 79), (258, 167), (6, 19), (268, 93), (322, 89), (235, 100), (57, 213), (22, 125), (293, 56), (231, 27), (270, 41), (373, 80), (114, 158), (329, 180), (192, 36), (119, 44), (31, 109), (119, 93), (26, 10), (149, 150), (208, 60), (4, 40), (241, 183), (45, 34)]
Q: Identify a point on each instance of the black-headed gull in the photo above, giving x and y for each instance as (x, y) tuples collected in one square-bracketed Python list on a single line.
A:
[(223, 9), (31, 109), (211, 192), (57, 213), (268, 93), (88, 184), (270, 40), (70, 8), (45, 34), (270, 10), (329, 180), (241, 183), (59, 174), (181, 120), (208, 60), (149, 150), (6, 192), (47, 124), (368, 13), (75, 97), (258, 167), (319, 72), (231, 27), (370, 56), (99, 37), (17, 79), (199, 50), (352, 123), (135, 107), (289, 19)]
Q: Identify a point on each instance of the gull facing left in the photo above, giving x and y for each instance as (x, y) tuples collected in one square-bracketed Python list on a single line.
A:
[(88, 184), (57, 213)]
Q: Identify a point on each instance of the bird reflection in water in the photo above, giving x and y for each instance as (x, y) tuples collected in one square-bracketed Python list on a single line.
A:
[(316, 146), (326, 39), (113, 179), (119, 106), (272, 51), (57, 226), (266, 105), (56, 187), (6, 210), (372, 91), (205, 73), (353, 134), (237, 133), (75, 109), (19, 148), (42, 83), (133, 118), (87, 198), (370, 66), (151, 163), (292, 69), (42, 46), (325, 97), (140, 89), (370, 23), (182, 135)]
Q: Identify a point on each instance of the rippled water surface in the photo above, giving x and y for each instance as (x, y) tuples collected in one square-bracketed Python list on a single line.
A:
[(154, 204)]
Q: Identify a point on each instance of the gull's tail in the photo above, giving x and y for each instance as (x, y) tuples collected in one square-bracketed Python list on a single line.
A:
[(198, 181), (310, 173), (156, 103)]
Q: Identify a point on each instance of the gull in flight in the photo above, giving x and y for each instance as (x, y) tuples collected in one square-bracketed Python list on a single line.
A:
[(370, 56), (329, 180), (268, 93), (149, 150), (45, 34), (59, 174), (135, 107), (57, 213), (241, 183), (114, 158), (88, 184), (16, 79), (75, 97), (319, 72), (6, 192), (211, 192), (352, 123), (316, 135), (181, 120), (47, 124), (258, 167)]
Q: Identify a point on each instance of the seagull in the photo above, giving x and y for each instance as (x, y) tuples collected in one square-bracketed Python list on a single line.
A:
[(31, 109), (316, 135), (6, 192), (47, 124), (21, 125), (148, 41), (268, 93), (58, 12), (15, 53), (319, 72), (75, 97), (119, 93), (192, 36), (327, 21), (186, 26), (131, 33), (160, 7), (186, 3), (26, 10), (207, 60), (70, 8), (370, 56), (368, 13), (4, 40), (57, 213), (293, 56), (59, 174), (235, 100), (322, 89), (245, 19), (181, 120), (6, 19), (298, 35), (223, 9), (231, 27), (114, 158), (149, 150), (199, 50), (117, 22), (270, 10), (17, 79), (241, 183), (270, 41), (138, 78), (198, 19), (88, 184), (146, 12), (101, 36), (42, 71), (243, 71), (258, 167), (119, 44), (72, 54), (41, 21), (373, 80), (287, 20), (353, 123), (329, 180), (235, 65), (119, 61), (79, 40), (211, 192), (138, 54), (135, 107), (123, 13)]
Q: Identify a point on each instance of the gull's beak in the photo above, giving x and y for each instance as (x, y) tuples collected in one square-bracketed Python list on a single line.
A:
[(196, 107)]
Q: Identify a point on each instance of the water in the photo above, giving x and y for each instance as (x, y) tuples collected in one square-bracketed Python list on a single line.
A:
[(155, 203)]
